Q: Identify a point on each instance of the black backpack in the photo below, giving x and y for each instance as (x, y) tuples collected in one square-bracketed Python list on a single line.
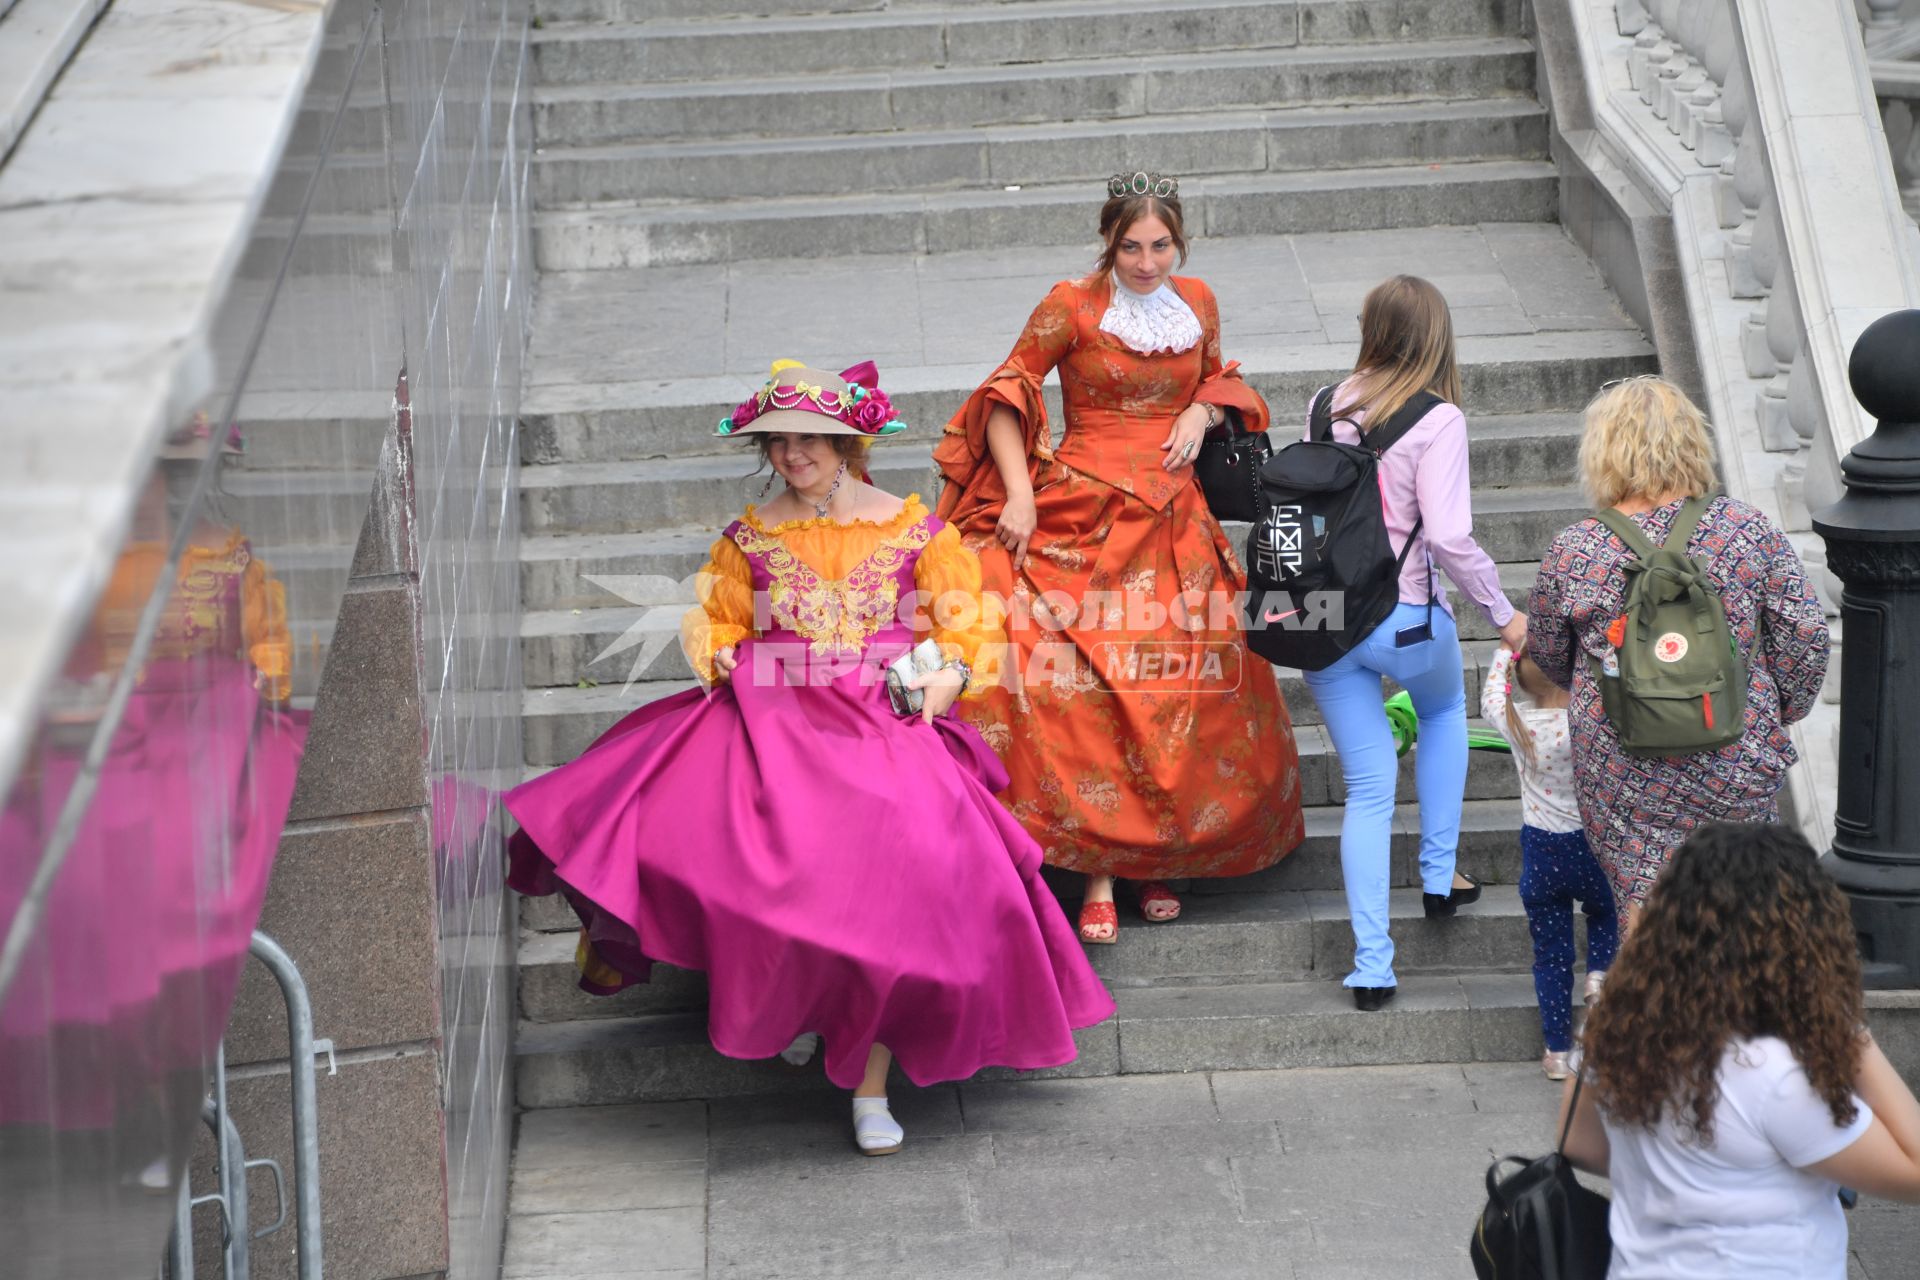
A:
[(1321, 571), (1540, 1223)]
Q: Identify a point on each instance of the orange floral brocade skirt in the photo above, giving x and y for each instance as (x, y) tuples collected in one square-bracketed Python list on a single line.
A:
[(1143, 739)]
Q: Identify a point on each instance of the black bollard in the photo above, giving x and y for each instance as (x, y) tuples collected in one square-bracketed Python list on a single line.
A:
[(1873, 547)]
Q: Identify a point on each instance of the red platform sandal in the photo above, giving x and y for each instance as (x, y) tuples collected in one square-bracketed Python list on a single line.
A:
[(1157, 903), (1095, 914)]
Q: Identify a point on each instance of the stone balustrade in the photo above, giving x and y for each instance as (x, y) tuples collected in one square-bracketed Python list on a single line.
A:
[(1896, 86), (1728, 160), (1890, 30), (1720, 75)]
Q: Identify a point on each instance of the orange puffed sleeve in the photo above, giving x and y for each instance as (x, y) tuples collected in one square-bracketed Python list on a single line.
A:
[(724, 615), (962, 454), (263, 628), (964, 625), (1221, 384)]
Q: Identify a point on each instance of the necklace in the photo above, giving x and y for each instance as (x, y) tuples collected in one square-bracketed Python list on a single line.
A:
[(820, 507)]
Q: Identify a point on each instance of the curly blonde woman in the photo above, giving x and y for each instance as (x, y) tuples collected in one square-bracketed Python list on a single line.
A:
[(1645, 451)]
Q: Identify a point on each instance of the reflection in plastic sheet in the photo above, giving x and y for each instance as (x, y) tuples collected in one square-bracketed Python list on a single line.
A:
[(110, 1017), (392, 242)]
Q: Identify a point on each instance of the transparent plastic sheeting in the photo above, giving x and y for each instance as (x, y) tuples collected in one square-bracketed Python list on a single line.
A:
[(137, 842)]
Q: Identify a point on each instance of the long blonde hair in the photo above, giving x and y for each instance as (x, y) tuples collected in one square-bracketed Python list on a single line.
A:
[(1406, 347), (1644, 439)]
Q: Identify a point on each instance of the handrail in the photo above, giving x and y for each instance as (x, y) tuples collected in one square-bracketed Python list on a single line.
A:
[(233, 1165), (306, 1127)]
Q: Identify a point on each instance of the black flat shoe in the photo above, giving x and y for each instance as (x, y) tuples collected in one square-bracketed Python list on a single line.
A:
[(1441, 905), (1370, 999)]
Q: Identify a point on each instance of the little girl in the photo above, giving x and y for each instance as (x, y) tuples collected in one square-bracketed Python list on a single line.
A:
[(1556, 866)]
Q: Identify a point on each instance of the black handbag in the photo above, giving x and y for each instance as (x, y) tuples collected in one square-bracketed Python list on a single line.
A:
[(1540, 1223), (1228, 469)]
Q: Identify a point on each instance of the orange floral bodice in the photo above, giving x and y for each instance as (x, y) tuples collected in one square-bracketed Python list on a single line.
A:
[(835, 585), (224, 602), (1119, 403)]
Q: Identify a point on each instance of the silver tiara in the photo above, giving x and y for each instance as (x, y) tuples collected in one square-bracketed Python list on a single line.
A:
[(1142, 184)]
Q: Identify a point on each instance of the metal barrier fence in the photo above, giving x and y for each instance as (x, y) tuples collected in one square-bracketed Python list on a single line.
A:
[(231, 1163)]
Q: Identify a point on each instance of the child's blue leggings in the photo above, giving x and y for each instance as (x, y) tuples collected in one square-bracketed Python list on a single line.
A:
[(1556, 868)]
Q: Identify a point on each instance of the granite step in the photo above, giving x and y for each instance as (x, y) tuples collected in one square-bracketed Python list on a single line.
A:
[(1078, 89), (1317, 20), (1271, 937), (1193, 145), (337, 243), (1400, 196), (306, 431), (550, 12), (357, 182), (1037, 31), (708, 491), (589, 572), (1240, 1026), (1320, 21), (963, 35), (632, 634), (1488, 848), (306, 508), (1512, 383), (630, 497), (559, 724)]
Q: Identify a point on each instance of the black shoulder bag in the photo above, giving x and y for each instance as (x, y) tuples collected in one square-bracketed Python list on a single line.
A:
[(1540, 1223)]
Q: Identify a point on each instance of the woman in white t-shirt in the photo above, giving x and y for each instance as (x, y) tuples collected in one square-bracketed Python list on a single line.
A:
[(1732, 1087)]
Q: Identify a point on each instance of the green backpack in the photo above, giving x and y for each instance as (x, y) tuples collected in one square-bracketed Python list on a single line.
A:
[(1681, 686)]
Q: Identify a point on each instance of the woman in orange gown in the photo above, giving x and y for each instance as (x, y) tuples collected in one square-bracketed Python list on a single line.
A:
[(1143, 739)]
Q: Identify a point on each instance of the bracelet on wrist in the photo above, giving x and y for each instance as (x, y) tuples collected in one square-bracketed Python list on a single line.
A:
[(966, 672)]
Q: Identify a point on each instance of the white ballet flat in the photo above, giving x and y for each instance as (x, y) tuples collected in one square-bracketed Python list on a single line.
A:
[(801, 1051), (875, 1131)]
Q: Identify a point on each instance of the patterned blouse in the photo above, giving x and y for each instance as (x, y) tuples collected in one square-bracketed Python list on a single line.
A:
[(1637, 809)]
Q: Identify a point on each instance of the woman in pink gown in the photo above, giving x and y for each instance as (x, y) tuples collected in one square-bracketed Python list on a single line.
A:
[(833, 865), (148, 922)]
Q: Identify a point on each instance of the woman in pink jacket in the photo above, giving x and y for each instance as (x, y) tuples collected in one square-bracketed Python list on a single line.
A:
[(1406, 348)]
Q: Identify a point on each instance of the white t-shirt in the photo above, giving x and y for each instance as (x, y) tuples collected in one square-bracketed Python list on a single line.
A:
[(1742, 1207)]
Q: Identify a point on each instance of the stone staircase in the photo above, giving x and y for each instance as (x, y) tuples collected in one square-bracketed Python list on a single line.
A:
[(914, 176)]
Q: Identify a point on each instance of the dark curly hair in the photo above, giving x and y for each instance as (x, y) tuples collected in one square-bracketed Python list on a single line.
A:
[(1743, 935)]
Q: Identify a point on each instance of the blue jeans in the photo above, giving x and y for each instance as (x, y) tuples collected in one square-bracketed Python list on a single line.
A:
[(1555, 869), (1352, 704)]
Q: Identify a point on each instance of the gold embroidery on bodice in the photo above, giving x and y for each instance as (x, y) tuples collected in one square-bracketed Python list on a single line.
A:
[(834, 615)]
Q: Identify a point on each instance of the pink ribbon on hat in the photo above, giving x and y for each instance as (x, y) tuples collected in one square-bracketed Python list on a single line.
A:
[(866, 374)]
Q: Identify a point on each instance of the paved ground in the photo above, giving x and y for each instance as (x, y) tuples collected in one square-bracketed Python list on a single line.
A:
[(967, 308), (1364, 1173)]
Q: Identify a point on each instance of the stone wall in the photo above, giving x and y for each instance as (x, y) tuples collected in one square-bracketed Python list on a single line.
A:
[(382, 306)]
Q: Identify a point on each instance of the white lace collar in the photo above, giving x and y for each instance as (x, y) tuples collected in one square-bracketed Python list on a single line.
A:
[(1151, 323)]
